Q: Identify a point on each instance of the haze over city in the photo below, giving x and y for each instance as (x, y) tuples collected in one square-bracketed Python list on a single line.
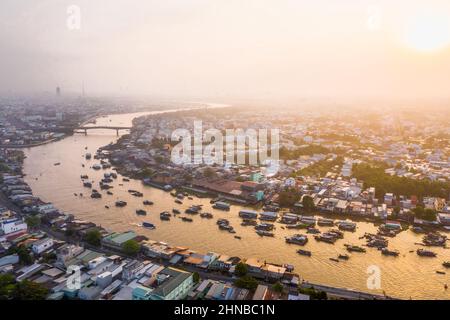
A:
[(228, 49)]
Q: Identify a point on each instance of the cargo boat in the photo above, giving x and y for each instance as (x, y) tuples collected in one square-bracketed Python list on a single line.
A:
[(264, 226), (248, 214), (425, 253), (387, 252), (299, 239), (353, 248), (346, 226), (325, 238), (221, 206), (325, 222), (268, 216), (264, 233)]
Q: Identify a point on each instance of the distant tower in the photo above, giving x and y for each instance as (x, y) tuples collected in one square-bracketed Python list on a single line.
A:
[(82, 89), (58, 91)]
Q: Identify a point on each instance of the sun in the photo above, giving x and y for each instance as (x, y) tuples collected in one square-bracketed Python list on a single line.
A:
[(428, 32)]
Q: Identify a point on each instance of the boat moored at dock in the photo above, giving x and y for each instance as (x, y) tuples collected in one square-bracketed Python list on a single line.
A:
[(248, 214), (220, 205)]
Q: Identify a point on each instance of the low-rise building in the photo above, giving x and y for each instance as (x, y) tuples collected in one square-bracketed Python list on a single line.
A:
[(42, 245)]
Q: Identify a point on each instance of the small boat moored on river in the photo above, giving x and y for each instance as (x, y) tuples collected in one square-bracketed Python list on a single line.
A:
[(304, 252), (148, 225)]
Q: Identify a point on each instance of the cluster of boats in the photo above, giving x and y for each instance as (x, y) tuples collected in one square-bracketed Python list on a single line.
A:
[(434, 239), (264, 229), (165, 216), (375, 241), (224, 224), (330, 236)]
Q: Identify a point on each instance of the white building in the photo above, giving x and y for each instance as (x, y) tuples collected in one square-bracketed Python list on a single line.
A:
[(13, 226), (42, 245)]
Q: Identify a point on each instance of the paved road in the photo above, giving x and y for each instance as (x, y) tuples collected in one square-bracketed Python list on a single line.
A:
[(345, 293)]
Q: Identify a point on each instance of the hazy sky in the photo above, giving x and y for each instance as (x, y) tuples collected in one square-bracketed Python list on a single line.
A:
[(228, 48)]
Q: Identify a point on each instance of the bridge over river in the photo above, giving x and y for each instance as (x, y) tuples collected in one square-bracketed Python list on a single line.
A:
[(86, 128)]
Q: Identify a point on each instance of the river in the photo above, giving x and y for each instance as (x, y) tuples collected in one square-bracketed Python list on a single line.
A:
[(405, 276)]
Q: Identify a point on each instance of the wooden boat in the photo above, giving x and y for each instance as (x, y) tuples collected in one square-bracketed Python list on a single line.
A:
[(425, 253), (141, 212), (121, 203), (304, 252), (264, 233), (148, 225), (388, 252), (299, 239), (353, 248)]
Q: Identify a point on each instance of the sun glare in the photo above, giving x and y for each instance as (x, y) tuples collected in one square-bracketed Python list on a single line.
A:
[(428, 32)]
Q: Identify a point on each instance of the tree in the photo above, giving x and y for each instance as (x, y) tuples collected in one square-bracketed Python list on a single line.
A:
[(93, 237), (246, 282), (33, 221), (131, 247), (209, 172), (277, 287), (24, 290), (430, 215), (7, 286), (49, 257), (70, 232), (314, 294), (187, 177), (28, 290), (146, 173), (23, 253), (308, 203), (288, 198), (241, 269), (196, 277), (425, 214)]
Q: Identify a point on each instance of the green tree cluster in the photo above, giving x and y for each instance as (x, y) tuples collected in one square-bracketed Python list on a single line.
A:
[(373, 175), (93, 237), (10, 289), (246, 282), (131, 247)]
